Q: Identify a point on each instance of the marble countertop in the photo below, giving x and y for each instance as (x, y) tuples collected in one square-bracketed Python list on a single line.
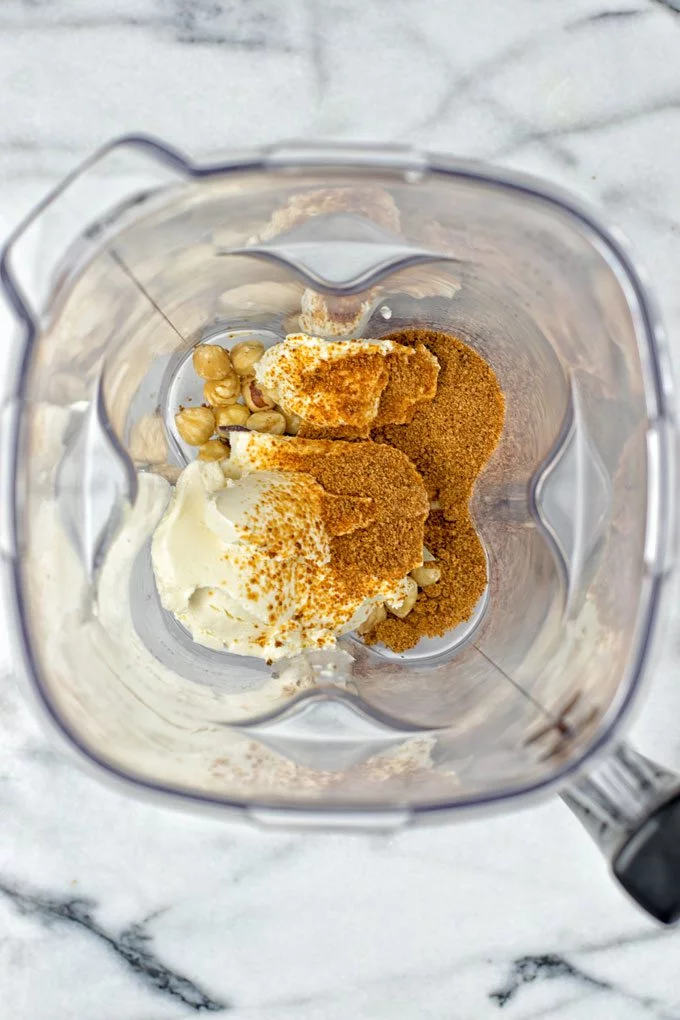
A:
[(111, 909)]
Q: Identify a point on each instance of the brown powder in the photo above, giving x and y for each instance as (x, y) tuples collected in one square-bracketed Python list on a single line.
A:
[(449, 440), (349, 386), (342, 515), (375, 507), (411, 382), (409, 379)]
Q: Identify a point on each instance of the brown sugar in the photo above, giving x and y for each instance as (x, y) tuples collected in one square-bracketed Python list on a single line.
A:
[(410, 382), (449, 441), (342, 515), (389, 546)]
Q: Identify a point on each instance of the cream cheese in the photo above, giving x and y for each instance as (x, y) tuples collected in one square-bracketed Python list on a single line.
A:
[(244, 562)]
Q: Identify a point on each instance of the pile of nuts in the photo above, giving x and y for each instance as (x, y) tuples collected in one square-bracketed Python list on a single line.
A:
[(232, 398)]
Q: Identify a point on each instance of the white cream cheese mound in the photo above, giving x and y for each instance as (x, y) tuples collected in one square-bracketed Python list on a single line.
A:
[(244, 561), (302, 374), (351, 385)]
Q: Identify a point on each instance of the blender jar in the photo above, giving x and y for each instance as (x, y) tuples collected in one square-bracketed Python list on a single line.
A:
[(141, 255)]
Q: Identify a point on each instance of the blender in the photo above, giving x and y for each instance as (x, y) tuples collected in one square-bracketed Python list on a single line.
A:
[(139, 256)]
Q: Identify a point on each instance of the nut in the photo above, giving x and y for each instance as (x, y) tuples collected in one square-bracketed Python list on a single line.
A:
[(293, 421), (195, 424), (234, 414), (211, 361), (409, 601), (267, 421), (214, 449), (256, 398), (376, 616), (426, 575), (222, 392), (244, 356)]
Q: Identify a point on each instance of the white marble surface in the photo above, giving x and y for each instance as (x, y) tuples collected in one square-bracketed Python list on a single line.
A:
[(114, 910)]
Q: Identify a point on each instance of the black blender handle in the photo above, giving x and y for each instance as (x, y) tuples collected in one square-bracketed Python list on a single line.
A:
[(631, 807), (648, 863)]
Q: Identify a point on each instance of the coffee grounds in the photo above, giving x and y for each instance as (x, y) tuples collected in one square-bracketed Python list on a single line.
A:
[(449, 440)]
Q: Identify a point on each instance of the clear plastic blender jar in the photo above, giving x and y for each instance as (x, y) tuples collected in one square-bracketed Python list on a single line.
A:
[(141, 255)]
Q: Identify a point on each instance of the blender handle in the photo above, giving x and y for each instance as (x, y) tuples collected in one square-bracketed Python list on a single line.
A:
[(631, 808)]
